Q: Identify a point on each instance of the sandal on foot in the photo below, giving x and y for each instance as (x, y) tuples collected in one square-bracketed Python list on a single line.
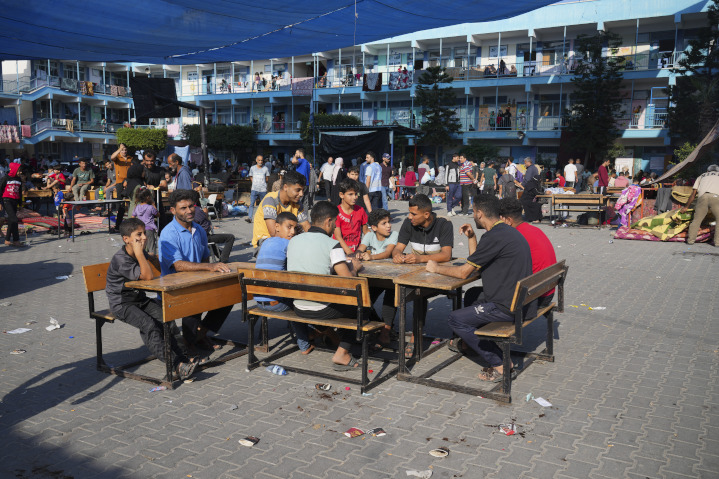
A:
[(455, 345), (493, 376), (308, 350), (351, 366), (206, 344), (409, 350), (185, 370)]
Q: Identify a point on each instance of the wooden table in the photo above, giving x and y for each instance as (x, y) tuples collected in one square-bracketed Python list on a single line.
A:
[(194, 292), (418, 286)]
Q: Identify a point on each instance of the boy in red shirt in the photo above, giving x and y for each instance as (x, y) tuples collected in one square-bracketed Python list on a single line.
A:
[(56, 178), (351, 222)]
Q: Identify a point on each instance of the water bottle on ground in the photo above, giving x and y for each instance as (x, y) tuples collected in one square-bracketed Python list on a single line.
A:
[(276, 369)]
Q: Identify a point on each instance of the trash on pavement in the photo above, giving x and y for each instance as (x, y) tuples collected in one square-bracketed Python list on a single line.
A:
[(347, 388), (508, 429), (54, 324), (530, 396), (354, 432), (543, 402), (158, 388), (323, 387), (423, 474), (249, 441), (439, 452), (64, 276), (6, 303), (18, 351), (378, 432), (234, 407), (366, 394), (19, 331)]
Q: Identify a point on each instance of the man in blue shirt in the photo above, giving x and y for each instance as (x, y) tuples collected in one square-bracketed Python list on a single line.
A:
[(302, 167), (183, 247), (373, 180), (183, 175)]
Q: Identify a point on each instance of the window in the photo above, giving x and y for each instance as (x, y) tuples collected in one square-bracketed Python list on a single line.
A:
[(192, 76), (552, 52), (493, 51)]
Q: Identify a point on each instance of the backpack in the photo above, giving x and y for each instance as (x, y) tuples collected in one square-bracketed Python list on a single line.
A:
[(509, 189)]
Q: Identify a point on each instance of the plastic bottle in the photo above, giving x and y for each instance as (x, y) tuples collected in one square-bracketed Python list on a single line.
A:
[(101, 193), (278, 370)]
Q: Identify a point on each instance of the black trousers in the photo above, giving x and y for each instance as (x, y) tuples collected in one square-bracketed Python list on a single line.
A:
[(532, 209), (213, 321), (147, 317), (388, 308), (334, 311), (13, 233), (227, 241), (328, 188), (466, 193), (375, 200)]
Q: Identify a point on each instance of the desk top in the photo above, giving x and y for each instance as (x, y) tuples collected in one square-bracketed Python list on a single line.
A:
[(424, 279), (386, 269), (90, 202), (185, 279), (38, 193)]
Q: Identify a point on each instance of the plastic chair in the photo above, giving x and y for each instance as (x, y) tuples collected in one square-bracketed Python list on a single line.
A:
[(211, 206)]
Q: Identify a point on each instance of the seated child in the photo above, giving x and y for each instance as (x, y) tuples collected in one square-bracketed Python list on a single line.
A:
[(131, 306), (351, 221), (379, 244), (146, 211), (272, 255)]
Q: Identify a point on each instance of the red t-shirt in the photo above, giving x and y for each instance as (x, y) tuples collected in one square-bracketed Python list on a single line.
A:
[(351, 225), (561, 181), (60, 178), (540, 247)]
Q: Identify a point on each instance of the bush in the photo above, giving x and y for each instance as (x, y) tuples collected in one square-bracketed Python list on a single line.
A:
[(222, 137), (142, 139)]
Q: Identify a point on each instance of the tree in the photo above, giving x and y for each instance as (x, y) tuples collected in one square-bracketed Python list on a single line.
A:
[(436, 98), (142, 138), (694, 98), (596, 96), (479, 150), (323, 119), (234, 138)]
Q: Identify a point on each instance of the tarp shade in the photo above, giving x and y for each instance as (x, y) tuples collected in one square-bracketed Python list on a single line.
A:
[(353, 144), (701, 148), (190, 31)]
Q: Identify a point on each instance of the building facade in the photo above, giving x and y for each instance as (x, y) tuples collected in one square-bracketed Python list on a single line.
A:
[(522, 66)]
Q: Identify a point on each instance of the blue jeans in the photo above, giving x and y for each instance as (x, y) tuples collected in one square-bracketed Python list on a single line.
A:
[(300, 329), (385, 203), (254, 195), (454, 195)]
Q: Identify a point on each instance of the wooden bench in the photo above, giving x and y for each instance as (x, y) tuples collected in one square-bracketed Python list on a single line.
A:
[(508, 333), (586, 203), (311, 287), (95, 280)]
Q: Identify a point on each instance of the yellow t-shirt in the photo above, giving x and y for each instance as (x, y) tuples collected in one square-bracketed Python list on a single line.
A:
[(269, 208)]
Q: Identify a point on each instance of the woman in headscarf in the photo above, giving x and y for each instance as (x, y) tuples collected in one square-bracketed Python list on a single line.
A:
[(338, 174)]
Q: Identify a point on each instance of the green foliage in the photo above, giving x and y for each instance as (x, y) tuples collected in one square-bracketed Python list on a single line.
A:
[(234, 138), (323, 119), (141, 138), (479, 150), (681, 153), (436, 98), (696, 94), (596, 96), (616, 151)]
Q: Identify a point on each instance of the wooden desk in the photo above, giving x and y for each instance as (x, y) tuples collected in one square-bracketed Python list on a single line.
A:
[(418, 286), (382, 273), (194, 292)]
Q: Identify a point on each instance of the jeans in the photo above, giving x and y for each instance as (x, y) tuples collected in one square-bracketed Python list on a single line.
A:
[(212, 321), (301, 330), (375, 199), (385, 202), (454, 195), (254, 196)]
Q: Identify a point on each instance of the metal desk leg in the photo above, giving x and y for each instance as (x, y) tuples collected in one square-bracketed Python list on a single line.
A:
[(72, 227), (168, 354), (402, 326), (420, 314)]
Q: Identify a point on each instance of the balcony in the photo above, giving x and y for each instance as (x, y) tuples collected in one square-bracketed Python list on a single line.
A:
[(26, 85)]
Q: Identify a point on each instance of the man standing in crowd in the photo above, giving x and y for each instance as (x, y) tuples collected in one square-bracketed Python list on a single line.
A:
[(373, 180), (503, 257), (302, 166), (227, 241), (386, 175), (182, 173), (82, 179), (183, 247), (326, 176), (706, 188), (423, 168), (603, 173), (454, 190), (570, 174), (580, 171), (260, 175), (511, 168), (489, 177), (466, 180), (530, 185)]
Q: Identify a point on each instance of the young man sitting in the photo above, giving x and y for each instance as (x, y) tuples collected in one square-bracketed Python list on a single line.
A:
[(131, 306), (376, 245), (288, 198), (429, 237), (183, 247), (504, 258), (351, 218), (316, 252)]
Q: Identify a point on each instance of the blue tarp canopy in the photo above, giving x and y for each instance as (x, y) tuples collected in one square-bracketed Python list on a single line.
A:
[(191, 31)]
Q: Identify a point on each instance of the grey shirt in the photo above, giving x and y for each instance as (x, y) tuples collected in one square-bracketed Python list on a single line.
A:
[(123, 268)]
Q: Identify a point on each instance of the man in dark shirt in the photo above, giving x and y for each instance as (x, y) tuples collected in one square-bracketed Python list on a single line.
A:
[(489, 175), (430, 237), (226, 240), (503, 256), (386, 175)]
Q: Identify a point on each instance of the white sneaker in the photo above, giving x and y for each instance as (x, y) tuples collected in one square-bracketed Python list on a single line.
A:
[(451, 213)]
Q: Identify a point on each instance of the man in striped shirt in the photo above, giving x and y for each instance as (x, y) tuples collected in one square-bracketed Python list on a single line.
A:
[(466, 179)]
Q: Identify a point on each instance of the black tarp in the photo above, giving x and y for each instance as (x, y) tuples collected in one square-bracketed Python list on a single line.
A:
[(353, 144)]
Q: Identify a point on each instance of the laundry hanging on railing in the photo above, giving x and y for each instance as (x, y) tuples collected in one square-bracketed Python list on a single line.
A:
[(9, 134), (400, 80), (70, 126), (173, 130), (69, 84), (372, 82), (302, 86), (26, 131)]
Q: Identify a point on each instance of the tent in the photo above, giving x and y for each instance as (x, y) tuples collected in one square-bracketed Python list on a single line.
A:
[(191, 32), (701, 148), (355, 141)]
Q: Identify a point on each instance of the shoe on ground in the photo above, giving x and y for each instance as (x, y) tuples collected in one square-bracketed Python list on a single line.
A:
[(451, 213), (248, 220)]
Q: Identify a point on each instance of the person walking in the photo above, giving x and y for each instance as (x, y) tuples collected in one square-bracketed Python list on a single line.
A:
[(386, 175), (454, 189), (259, 174), (326, 176)]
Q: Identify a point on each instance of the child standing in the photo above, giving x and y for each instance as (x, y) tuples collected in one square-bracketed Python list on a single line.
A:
[(131, 306), (351, 219), (146, 211)]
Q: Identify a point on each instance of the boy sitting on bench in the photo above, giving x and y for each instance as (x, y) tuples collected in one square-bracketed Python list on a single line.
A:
[(315, 252), (131, 306)]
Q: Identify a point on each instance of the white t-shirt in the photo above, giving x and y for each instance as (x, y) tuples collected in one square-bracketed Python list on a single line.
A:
[(570, 172), (326, 171), (259, 176), (707, 183), (512, 170)]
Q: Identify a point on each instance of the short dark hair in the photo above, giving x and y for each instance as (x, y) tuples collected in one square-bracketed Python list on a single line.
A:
[(510, 208), (143, 195), (130, 225), (354, 169), (181, 195), (293, 178), (377, 215), (321, 211), (82, 160), (372, 154), (348, 184), (301, 150), (285, 216), (487, 204), (149, 154), (422, 202)]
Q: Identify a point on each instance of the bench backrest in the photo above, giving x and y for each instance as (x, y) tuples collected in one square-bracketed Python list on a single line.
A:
[(96, 276), (310, 287), (532, 287)]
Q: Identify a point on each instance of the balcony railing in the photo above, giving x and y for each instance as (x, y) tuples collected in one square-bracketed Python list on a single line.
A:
[(28, 84)]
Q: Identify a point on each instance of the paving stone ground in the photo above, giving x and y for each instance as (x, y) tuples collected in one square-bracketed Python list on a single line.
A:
[(634, 388)]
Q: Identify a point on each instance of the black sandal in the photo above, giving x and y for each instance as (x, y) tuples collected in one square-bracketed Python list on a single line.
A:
[(409, 350), (185, 370), (455, 345)]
